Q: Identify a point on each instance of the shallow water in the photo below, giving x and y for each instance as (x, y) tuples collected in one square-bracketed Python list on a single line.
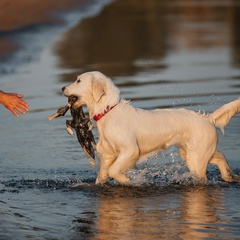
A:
[(160, 54)]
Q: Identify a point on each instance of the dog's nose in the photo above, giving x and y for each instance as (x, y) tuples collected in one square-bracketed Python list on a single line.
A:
[(63, 89)]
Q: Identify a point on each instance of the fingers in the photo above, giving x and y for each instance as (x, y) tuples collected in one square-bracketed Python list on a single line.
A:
[(17, 105), (17, 109), (14, 112), (21, 107)]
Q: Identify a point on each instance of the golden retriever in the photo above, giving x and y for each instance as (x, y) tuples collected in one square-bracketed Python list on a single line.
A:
[(127, 134)]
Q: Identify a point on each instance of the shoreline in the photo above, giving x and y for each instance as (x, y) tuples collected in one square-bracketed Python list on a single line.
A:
[(25, 15), (24, 34), (30, 12)]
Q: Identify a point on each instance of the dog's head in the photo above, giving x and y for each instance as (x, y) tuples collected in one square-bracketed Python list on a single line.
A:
[(94, 90)]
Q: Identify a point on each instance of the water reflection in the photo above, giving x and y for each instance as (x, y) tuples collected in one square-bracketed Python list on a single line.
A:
[(129, 31), (200, 216), (190, 213), (124, 32)]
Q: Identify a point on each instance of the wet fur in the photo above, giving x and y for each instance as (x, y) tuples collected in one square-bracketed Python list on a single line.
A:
[(127, 134)]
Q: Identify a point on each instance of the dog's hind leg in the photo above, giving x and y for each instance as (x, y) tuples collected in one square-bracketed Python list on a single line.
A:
[(226, 173), (199, 150), (199, 170), (197, 161)]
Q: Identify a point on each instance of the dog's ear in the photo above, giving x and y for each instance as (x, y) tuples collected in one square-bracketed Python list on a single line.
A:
[(98, 90)]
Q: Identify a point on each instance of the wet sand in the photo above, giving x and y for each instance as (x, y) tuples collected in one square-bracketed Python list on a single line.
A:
[(20, 15)]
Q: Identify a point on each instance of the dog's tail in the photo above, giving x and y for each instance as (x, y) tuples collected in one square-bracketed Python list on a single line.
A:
[(223, 115)]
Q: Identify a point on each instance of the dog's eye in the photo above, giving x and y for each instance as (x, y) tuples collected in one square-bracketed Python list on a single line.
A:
[(78, 81)]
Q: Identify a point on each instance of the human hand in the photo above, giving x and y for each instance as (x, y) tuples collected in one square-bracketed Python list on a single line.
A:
[(14, 103)]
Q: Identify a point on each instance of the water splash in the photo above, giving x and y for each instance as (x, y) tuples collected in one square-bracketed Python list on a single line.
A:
[(161, 175)]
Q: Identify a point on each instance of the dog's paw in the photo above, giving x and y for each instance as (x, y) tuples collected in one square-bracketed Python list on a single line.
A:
[(100, 181)]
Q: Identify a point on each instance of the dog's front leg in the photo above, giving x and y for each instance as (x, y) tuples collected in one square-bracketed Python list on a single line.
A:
[(105, 164), (125, 161)]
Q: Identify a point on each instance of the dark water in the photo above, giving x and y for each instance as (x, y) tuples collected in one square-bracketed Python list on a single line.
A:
[(160, 54)]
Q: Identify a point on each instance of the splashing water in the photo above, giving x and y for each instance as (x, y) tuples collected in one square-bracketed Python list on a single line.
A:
[(162, 169), (167, 168)]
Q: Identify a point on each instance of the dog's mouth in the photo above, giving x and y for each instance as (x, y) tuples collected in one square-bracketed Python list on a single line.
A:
[(74, 101)]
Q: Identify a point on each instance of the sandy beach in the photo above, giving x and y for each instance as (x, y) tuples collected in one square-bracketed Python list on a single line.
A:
[(20, 15)]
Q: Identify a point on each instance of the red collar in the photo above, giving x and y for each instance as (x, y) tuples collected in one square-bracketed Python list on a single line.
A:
[(100, 115)]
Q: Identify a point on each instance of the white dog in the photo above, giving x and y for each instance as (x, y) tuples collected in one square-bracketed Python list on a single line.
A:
[(127, 134)]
